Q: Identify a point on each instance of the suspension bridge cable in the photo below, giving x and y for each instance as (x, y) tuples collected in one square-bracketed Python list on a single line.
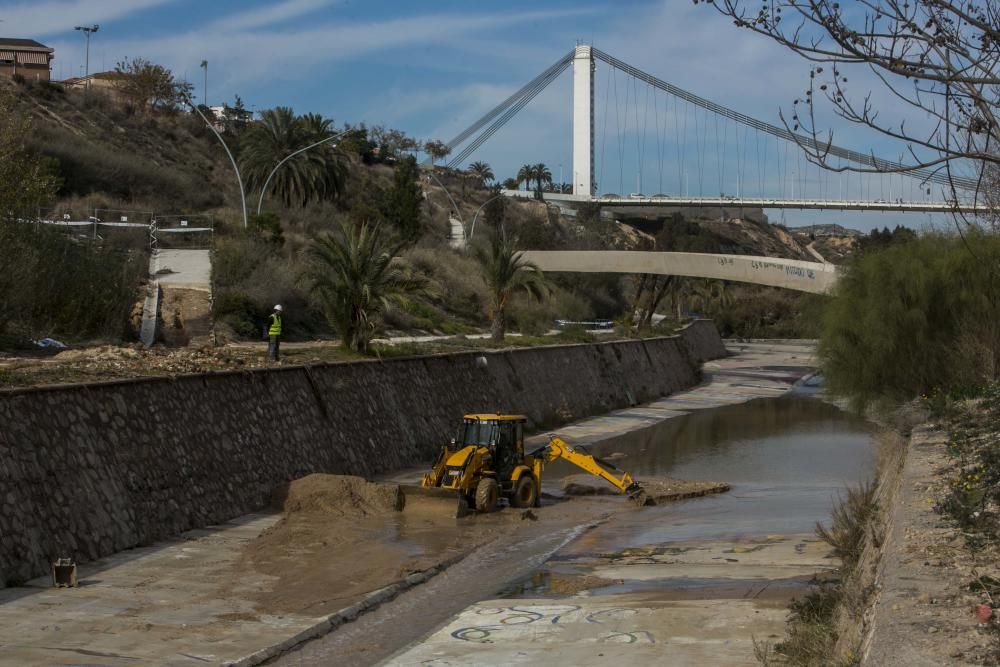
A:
[(926, 175), (618, 133), (719, 162), (604, 132), (681, 143), (530, 93), (645, 126), (559, 65), (659, 143), (760, 167), (503, 119)]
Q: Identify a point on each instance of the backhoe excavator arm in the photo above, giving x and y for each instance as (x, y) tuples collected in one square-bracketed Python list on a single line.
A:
[(560, 449)]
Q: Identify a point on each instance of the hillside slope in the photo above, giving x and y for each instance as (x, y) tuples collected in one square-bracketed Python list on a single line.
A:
[(109, 158)]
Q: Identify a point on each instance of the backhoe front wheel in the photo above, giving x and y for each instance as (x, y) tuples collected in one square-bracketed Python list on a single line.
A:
[(487, 494), (525, 492)]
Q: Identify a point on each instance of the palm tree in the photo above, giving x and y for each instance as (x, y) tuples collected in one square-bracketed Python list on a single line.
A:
[(525, 175), (541, 174), (357, 276), (482, 172), (316, 126), (314, 174), (506, 272)]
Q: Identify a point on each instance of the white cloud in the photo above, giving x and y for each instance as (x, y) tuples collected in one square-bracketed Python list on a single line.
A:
[(247, 56), (268, 16), (35, 19)]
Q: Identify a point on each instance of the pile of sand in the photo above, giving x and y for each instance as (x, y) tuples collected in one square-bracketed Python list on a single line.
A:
[(336, 495)]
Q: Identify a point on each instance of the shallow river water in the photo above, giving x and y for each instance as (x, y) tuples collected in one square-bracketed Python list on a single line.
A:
[(786, 458)]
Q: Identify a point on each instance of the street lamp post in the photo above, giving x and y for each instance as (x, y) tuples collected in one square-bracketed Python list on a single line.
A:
[(239, 177), (87, 31), (472, 231), (263, 190), (204, 91), (458, 213)]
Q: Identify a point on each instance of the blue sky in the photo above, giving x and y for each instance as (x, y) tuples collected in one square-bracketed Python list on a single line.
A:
[(432, 68)]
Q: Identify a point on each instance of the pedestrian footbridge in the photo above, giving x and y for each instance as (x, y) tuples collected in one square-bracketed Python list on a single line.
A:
[(791, 274)]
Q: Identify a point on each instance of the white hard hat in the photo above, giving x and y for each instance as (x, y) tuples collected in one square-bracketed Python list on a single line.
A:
[(278, 308)]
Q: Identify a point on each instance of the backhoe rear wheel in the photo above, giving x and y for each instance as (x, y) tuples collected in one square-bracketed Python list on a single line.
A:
[(525, 492), (487, 494)]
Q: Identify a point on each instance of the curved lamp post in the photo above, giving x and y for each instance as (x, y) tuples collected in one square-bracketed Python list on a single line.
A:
[(239, 177), (263, 190), (458, 213), (473, 230)]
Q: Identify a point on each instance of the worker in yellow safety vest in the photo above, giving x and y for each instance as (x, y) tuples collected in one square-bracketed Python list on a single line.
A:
[(274, 333)]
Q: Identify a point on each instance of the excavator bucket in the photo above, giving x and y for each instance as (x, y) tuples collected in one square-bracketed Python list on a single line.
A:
[(432, 502), (638, 495)]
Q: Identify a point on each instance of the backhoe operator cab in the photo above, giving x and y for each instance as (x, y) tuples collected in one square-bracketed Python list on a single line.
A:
[(486, 461)]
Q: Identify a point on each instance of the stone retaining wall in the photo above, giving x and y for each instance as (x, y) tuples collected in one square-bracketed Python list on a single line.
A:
[(88, 470)]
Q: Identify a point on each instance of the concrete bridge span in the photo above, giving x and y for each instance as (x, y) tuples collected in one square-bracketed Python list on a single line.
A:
[(787, 273)]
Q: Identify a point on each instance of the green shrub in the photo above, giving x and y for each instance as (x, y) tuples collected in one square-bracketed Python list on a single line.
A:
[(55, 285), (240, 312), (914, 317), (250, 274)]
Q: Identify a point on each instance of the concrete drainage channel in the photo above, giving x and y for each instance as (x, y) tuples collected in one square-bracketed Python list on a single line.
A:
[(221, 622)]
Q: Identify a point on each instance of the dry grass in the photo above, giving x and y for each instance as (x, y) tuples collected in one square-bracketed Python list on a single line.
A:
[(850, 519)]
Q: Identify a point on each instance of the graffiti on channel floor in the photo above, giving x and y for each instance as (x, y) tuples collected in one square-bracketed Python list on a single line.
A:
[(539, 622)]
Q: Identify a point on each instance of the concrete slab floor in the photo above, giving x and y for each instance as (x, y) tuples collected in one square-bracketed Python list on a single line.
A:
[(706, 606), (606, 631), (175, 603)]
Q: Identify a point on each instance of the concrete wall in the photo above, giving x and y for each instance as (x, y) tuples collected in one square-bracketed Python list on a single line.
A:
[(89, 470)]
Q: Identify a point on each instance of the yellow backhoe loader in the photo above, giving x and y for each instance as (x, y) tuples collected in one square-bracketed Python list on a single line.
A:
[(487, 462)]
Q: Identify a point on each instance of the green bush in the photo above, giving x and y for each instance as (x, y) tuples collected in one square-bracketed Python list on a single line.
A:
[(55, 285), (915, 317), (250, 274), (533, 317)]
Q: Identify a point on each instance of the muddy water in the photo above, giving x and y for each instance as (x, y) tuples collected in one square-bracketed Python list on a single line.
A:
[(786, 459)]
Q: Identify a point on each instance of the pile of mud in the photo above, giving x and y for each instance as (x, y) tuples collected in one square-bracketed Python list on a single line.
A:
[(659, 490), (340, 538), (336, 496)]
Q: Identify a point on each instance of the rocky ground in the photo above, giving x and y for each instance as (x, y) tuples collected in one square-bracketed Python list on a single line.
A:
[(112, 362)]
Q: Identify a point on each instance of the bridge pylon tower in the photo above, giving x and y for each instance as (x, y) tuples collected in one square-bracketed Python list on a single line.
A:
[(583, 120)]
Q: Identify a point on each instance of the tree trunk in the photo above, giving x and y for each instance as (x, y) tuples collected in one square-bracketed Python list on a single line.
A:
[(657, 297), (499, 326), (639, 291)]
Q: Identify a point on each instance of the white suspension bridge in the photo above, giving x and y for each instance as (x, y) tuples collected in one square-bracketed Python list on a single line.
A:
[(765, 175)]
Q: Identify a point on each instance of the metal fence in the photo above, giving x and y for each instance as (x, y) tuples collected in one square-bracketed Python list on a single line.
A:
[(133, 226)]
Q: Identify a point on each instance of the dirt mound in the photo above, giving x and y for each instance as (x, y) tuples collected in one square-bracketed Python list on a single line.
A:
[(337, 495), (665, 490), (660, 490), (587, 485)]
